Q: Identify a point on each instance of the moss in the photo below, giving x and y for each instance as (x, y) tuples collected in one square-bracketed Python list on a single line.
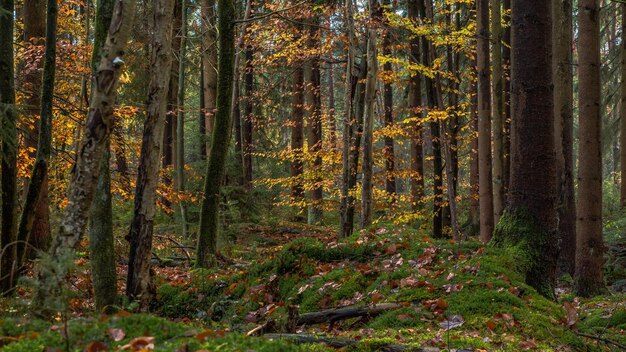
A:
[(536, 248)]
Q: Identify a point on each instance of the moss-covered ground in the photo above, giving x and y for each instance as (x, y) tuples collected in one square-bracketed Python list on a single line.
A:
[(476, 290)]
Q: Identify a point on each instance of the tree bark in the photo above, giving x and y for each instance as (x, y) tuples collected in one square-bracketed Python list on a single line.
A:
[(247, 123), (8, 166), (314, 131), (589, 243), (209, 65), (484, 122), (37, 185), (297, 133), (415, 110), (531, 220), (368, 120), (388, 151), (506, 61), (563, 131), (180, 120), (474, 207), (497, 92), (142, 225), (92, 147), (623, 112), (209, 215)]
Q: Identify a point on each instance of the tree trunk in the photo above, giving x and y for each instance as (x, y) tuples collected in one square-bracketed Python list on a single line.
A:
[(37, 185), (484, 122), (209, 65), (623, 111), (297, 134), (368, 120), (139, 281), (589, 243), (474, 207), (8, 166), (86, 169), (101, 246), (506, 61), (247, 122), (497, 92), (35, 28), (388, 151), (180, 120), (209, 215), (202, 117), (314, 140), (563, 131), (531, 220), (332, 119), (415, 110)]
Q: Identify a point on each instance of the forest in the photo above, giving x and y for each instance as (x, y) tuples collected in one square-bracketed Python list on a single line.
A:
[(312, 175)]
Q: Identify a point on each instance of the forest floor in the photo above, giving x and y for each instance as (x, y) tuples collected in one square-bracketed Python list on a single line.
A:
[(295, 288)]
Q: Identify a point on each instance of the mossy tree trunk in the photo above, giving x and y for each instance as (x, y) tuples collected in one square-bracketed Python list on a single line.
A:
[(209, 216), (90, 152), (530, 222), (564, 130), (589, 242), (101, 245), (39, 176), (138, 282)]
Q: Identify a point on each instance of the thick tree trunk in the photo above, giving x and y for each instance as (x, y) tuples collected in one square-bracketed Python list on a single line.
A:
[(415, 110), (180, 120), (497, 92), (388, 151), (209, 65), (35, 28), (531, 220), (484, 122), (8, 166), (314, 131), (368, 121), (209, 215), (138, 280), (37, 185), (589, 243), (92, 147), (563, 131)]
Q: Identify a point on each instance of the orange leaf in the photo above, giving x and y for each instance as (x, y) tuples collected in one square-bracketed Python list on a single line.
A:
[(96, 346), (491, 325)]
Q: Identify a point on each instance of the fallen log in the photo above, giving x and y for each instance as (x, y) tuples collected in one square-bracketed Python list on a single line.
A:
[(333, 315)]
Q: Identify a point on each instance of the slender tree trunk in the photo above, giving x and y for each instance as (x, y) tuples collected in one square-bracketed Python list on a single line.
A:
[(506, 61), (35, 28), (497, 92), (484, 122), (209, 215), (563, 131), (474, 210), (589, 243), (101, 246), (389, 151), (180, 121), (415, 108), (332, 119), (368, 121), (138, 283), (202, 117), (297, 134), (314, 140), (531, 217), (622, 141), (91, 150), (8, 166), (39, 176), (209, 64), (247, 123)]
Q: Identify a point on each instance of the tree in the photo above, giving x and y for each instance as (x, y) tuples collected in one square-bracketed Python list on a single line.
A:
[(37, 185), (8, 166), (564, 130), (497, 92), (209, 214), (314, 131), (530, 221), (92, 147), (415, 107), (247, 122), (484, 122), (589, 243), (180, 119), (297, 129), (209, 64), (623, 111), (388, 151), (142, 225)]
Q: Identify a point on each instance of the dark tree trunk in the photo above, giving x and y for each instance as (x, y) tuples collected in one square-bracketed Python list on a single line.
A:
[(202, 116), (484, 122), (564, 130), (8, 166), (589, 242), (506, 61), (209, 215), (314, 131), (415, 108), (297, 134), (497, 92), (180, 119), (248, 119), (474, 210), (531, 220), (138, 283), (389, 151)]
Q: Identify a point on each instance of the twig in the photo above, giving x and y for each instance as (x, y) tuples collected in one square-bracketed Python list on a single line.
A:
[(268, 14), (603, 339), (180, 246)]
